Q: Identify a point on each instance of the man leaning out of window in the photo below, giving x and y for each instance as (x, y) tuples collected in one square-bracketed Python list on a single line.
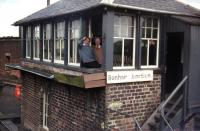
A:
[(87, 55)]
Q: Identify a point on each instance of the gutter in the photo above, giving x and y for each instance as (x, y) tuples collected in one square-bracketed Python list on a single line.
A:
[(18, 67)]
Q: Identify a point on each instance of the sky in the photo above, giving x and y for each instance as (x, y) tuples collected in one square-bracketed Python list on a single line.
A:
[(13, 10)]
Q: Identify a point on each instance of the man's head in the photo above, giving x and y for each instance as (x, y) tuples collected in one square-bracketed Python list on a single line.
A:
[(97, 41), (86, 40)]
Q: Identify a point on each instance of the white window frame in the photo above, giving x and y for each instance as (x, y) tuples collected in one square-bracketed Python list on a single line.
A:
[(134, 44), (48, 40), (38, 39), (60, 39), (75, 50), (45, 109), (158, 44), (28, 41)]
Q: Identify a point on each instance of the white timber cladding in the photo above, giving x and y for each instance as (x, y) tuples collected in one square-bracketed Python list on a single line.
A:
[(129, 76)]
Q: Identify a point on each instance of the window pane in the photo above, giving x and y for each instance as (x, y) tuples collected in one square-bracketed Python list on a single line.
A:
[(155, 23), (117, 20), (77, 52), (62, 49), (155, 33), (131, 32), (57, 50), (130, 21), (152, 52), (117, 58), (143, 33), (128, 52), (143, 22), (71, 50), (144, 47), (48, 31), (29, 48), (124, 31), (45, 49), (149, 22), (50, 50), (117, 31), (148, 33)]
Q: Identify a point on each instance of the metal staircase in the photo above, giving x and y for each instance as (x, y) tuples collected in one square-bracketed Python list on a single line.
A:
[(169, 114)]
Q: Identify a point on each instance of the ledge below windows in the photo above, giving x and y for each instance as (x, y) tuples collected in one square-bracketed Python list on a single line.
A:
[(83, 78)]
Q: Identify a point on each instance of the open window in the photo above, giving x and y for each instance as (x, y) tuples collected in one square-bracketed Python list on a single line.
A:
[(150, 42), (124, 42), (59, 31), (36, 42)]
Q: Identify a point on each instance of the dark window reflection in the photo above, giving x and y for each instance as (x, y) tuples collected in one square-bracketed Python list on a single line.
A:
[(128, 52), (117, 60)]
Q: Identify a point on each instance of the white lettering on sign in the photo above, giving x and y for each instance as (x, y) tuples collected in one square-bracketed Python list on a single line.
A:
[(129, 76)]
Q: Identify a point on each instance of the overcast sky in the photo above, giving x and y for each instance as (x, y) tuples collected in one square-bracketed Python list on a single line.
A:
[(13, 10)]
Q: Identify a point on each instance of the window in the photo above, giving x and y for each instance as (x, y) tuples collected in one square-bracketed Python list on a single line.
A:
[(74, 37), (59, 32), (45, 109), (150, 42), (36, 42), (28, 42), (124, 42), (47, 45)]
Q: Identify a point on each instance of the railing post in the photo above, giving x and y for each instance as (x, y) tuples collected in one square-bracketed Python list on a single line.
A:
[(184, 114)]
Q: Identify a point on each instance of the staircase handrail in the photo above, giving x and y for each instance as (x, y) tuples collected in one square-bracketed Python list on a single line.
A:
[(174, 92), (169, 98)]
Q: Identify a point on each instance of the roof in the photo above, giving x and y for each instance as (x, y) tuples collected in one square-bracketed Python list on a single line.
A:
[(190, 20), (63, 7)]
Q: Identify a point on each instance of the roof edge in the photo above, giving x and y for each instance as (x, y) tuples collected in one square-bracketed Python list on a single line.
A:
[(111, 4)]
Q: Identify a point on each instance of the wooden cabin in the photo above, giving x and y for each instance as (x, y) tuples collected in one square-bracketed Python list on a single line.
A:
[(149, 79)]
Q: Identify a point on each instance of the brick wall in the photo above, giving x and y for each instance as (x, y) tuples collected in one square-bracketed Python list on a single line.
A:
[(31, 102), (76, 109), (70, 108), (137, 100), (9, 47)]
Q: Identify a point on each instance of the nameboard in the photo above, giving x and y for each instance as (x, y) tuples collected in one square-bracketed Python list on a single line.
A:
[(129, 76)]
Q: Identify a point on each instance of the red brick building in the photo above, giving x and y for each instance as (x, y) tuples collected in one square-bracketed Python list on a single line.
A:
[(10, 52), (146, 48)]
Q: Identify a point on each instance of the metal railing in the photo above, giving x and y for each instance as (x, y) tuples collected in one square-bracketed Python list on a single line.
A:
[(164, 117)]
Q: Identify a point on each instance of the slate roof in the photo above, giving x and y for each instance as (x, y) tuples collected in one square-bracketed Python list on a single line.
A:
[(63, 7)]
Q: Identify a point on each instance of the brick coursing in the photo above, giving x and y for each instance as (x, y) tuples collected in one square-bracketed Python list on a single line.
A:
[(138, 100), (70, 108), (12, 47), (76, 109), (31, 102)]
